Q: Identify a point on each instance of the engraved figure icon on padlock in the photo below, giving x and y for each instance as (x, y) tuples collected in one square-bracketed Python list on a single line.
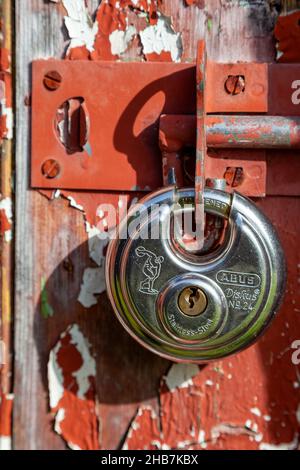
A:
[(193, 307), (151, 270)]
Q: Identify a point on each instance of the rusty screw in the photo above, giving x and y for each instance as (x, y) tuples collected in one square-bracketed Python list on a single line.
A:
[(50, 169), (52, 80), (234, 176), (192, 301), (235, 84)]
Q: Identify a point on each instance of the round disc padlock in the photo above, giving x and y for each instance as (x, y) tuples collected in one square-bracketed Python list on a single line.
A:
[(191, 307)]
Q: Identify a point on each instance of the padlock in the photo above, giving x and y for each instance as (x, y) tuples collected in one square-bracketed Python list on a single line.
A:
[(191, 307)]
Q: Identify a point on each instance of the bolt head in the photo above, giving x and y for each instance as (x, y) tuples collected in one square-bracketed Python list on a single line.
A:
[(235, 84), (52, 80), (50, 168)]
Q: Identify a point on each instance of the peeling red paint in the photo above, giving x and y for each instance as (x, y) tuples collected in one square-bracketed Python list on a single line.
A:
[(143, 429), (114, 16), (89, 203), (198, 3), (287, 33), (111, 16), (72, 389), (5, 223), (199, 410), (5, 95), (6, 406), (6, 218), (4, 60)]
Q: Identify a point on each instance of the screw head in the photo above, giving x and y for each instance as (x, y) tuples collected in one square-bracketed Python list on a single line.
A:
[(235, 84), (192, 301), (234, 176), (52, 80), (50, 168)]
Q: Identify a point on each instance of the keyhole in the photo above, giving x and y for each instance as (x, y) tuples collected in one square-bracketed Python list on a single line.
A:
[(192, 301), (193, 297)]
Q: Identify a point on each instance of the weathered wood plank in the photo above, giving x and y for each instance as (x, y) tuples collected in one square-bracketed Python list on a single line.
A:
[(6, 225)]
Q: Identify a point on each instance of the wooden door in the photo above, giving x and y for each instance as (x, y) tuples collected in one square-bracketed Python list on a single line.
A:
[(78, 380)]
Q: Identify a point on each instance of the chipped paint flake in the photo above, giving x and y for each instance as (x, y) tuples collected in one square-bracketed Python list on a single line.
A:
[(256, 411), (181, 376), (209, 383), (231, 430), (55, 378), (287, 33), (59, 418), (72, 391), (283, 446), (74, 204), (6, 218), (5, 443), (7, 120), (198, 3), (6, 405), (88, 368), (6, 110), (98, 242), (81, 28), (93, 284), (160, 38), (143, 429), (120, 40), (201, 439)]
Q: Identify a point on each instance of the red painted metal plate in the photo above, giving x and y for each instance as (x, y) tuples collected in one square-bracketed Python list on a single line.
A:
[(253, 98), (123, 102), (252, 181)]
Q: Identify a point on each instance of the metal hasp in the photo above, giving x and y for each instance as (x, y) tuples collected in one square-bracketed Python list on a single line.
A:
[(232, 146), (95, 128), (200, 147)]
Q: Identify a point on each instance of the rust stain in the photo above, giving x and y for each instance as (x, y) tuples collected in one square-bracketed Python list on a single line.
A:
[(287, 33), (72, 390)]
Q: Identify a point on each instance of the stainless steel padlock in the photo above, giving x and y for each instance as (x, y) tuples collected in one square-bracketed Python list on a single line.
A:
[(188, 307)]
